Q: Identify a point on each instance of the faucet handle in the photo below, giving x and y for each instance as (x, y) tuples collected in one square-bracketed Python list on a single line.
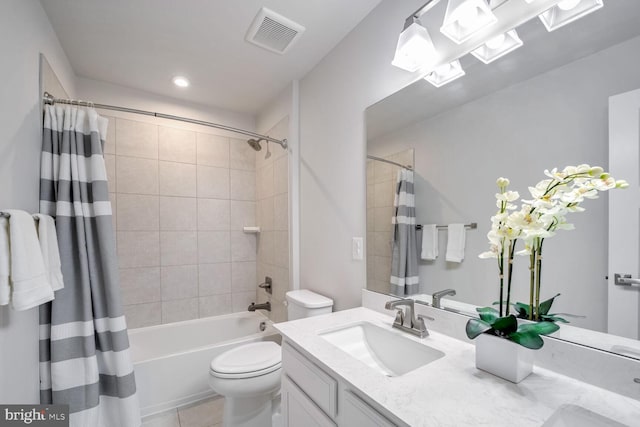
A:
[(399, 320)]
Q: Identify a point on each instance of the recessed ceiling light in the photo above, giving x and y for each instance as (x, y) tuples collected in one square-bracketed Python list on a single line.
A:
[(181, 81)]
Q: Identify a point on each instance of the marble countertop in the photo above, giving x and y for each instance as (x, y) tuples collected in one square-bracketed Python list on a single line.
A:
[(451, 391)]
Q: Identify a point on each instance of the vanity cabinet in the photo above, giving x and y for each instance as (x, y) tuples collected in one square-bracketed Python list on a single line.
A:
[(313, 397)]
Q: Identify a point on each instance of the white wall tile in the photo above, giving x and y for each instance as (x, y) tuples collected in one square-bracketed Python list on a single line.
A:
[(177, 179), (138, 212), (110, 143), (281, 175), (212, 150), (138, 176), (243, 246), (136, 139), (114, 210), (382, 218), (178, 213), (214, 247), (281, 286), (384, 193), (242, 156), (213, 183), (243, 277), (179, 282), (110, 164), (281, 212), (214, 279), (240, 301), (281, 248), (140, 285), (215, 305), (178, 310), (141, 315), (178, 248), (266, 246), (214, 214), (265, 181), (243, 185), (177, 145), (243, 213), (138, 248), (266, 213)]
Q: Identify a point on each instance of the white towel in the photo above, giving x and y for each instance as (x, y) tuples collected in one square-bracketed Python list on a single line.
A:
[(429, 242), (5, 259), (28, 277), (50, 252), (455, 242)]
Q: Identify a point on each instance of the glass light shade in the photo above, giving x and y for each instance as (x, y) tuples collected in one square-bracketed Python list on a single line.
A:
[(415, 48), (464, 18), (568, 11), (445, 73), (498, 47)]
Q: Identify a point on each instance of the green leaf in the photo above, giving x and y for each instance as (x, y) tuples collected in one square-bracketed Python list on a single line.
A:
[(545, 306), (527, 339), (506, 325), (476, 327), (540, 328), (522, 309), (488, 314), (553, 318)]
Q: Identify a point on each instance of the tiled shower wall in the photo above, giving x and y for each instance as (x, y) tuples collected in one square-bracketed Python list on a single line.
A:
[(272, 191), (180, 200), (381, 188)]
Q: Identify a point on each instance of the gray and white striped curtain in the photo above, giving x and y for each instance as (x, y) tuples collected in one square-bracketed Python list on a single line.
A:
[(404, 255), (84, 346)]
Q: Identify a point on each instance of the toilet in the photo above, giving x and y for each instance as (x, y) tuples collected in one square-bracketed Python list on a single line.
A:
[(248, 376)]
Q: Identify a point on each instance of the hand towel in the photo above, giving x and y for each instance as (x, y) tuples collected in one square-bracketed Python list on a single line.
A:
[(5, 259), (28, 277), (455, 242), (429, 242), (50, 252)]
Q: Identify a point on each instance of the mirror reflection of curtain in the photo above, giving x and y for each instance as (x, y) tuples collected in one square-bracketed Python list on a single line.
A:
[(84, 346), (404, 254)]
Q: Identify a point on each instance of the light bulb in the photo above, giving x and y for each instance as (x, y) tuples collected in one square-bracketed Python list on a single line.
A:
[(568, 4), (468, 16), (443, 69), (181, 81), (496, 42)]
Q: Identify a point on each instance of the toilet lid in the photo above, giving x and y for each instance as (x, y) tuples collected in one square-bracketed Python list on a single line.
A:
[(248, 360)]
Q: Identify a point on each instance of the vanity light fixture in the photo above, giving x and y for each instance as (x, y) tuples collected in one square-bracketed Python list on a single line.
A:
[(415, 48), (445, 74), (181, 81), (567, 11), (498, 47), (464, 18)]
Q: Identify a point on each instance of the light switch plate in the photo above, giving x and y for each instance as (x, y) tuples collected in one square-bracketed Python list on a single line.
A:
[(357, 248)]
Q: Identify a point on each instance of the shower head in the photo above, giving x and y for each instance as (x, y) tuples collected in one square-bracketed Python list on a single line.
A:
[(255, 144)]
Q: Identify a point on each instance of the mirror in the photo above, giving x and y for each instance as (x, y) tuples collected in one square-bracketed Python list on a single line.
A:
[(544, 105)]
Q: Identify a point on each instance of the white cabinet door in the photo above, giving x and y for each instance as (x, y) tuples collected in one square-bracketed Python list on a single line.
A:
[(300, 411), (624, 214), (355, 412)]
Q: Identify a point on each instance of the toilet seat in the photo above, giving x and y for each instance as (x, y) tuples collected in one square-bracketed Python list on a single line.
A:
[(247, 361)]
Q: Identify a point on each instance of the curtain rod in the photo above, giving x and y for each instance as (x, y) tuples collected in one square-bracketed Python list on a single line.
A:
[(380, 159), (470, 226), (50, 99)]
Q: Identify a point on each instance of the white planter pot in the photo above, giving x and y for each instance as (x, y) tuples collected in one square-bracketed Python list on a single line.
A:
[(503, 358)]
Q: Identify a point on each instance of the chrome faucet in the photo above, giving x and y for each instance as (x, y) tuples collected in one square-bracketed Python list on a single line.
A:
[(406, 320), (265, 306), (437, 296)]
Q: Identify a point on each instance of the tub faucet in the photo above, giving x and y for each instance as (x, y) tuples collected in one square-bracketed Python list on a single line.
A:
[(264, 306), (437, 296), (406, 320)]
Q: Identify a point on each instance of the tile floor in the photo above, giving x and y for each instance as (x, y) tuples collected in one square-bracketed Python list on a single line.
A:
[(206, 413)]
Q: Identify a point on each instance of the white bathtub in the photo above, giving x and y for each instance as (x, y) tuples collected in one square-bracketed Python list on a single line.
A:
[(172, 361)]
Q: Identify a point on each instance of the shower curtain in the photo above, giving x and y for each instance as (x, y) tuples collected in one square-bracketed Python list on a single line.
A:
[(84, 346), (404, 256)]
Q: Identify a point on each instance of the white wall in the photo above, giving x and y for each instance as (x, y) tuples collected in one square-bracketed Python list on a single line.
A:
[(556, 119), (333, 97), (25, 32)]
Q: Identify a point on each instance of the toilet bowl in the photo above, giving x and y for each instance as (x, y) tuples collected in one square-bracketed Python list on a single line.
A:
[(248, 376)]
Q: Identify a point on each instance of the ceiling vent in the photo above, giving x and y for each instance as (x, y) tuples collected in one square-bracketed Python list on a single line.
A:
[(273, 32)]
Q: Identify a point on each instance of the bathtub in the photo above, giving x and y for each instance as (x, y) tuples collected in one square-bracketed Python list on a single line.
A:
[(171, 361)]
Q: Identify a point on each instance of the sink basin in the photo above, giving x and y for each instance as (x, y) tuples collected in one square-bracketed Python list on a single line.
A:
[(573, 415), (387, 352)]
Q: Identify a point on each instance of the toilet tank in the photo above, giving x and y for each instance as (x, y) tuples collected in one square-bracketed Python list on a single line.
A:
[(304, 303)]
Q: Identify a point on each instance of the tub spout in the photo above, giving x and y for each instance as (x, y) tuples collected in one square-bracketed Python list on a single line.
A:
[(265, 306)]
